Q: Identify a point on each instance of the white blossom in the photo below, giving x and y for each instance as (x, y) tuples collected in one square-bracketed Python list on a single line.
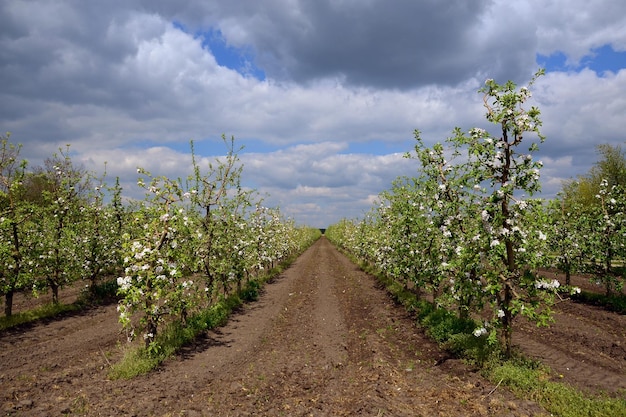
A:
[(479, 332), (547, 285)]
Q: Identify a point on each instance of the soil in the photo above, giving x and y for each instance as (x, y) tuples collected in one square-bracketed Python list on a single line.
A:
[(585, 346), (322, 340)]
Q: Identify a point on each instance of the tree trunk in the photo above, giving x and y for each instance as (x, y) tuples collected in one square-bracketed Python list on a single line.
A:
[(507, 321), (151, 330), (8, 303), (55, 292)]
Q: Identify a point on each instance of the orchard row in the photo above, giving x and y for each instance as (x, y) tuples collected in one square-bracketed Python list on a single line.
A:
[(173, 253), (467, 234)]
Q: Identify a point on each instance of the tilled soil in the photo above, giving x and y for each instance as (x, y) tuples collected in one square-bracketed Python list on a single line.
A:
[(585, 346), (323, 340)]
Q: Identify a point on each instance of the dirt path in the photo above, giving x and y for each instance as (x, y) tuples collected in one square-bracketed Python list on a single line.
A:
[(322, 340)]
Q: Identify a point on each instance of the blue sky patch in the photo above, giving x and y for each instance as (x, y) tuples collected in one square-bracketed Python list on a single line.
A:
[(599, 60), (238, 59), (380, 147), (214, 146), (553, 63), (605, 59)]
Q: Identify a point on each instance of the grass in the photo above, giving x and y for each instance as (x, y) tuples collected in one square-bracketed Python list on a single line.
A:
[(40, 313), (533, 382), (616, 303), (135, 362), (104, 292), (527, 379)]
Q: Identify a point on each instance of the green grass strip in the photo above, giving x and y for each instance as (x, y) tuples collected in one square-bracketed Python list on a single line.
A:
[(616, 303), (44, 312), (556, 397), (102, 293)]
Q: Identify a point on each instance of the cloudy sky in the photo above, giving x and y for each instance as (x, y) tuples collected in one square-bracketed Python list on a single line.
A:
[(324, 95)]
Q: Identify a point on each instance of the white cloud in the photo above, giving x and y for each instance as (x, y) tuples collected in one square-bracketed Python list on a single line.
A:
[(576, 27), (316, 176), (580, 111)]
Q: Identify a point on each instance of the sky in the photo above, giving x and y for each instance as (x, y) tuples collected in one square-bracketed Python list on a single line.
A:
[(323, 95)]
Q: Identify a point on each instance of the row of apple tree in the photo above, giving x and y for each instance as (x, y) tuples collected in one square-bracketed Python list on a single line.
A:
[(467, 234), (173, 252)]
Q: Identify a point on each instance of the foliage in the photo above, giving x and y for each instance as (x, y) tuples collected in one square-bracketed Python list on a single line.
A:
[(58, 229), (155, 258), (588, 222), (606, 242), (568, 228), (49, 217), (191, 242), (14, 224), (219, 199), (466, 229), (43, 216), (610, 168), (591, 239), (101, 247), (179, 251)]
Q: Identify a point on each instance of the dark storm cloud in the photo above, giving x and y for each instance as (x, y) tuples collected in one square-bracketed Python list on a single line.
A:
[(388, 44), (61, 53), (79, 52)]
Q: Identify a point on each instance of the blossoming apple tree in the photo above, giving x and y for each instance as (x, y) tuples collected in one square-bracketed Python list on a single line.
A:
[(469, 221), (15, 214), (189, 239)]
